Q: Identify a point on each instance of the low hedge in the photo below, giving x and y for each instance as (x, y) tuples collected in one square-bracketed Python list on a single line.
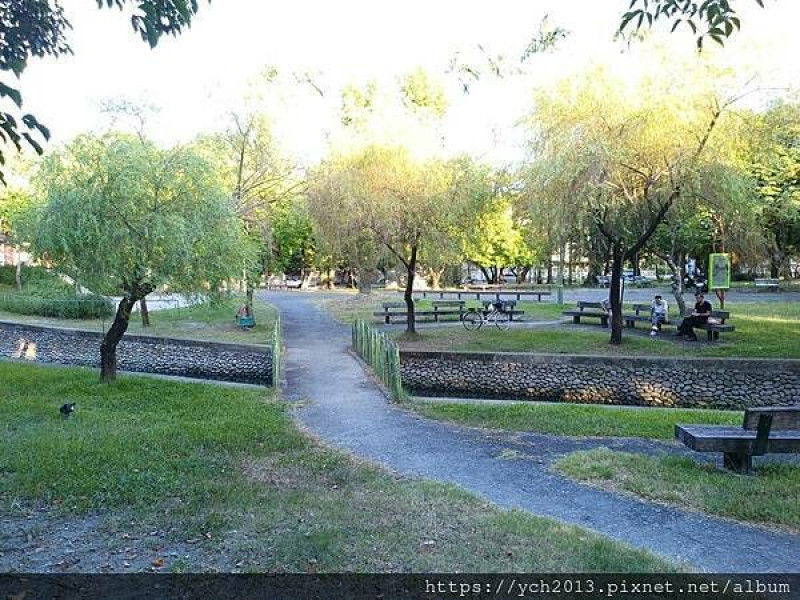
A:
[(8, 275), (88, 306)]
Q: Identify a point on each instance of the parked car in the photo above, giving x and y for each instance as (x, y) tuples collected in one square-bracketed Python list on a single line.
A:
[(294, 282)]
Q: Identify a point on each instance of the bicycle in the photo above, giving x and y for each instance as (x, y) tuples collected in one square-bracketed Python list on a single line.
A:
[(474, 318)]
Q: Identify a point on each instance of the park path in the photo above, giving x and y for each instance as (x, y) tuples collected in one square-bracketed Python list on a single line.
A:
[(345, 408)]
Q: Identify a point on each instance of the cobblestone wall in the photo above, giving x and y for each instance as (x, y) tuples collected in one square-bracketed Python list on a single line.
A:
[(205, 360), (692, 383)]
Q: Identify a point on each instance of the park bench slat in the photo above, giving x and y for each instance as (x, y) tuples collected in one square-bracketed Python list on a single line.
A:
[(710, 438), (783, 417), (394, 305), (584, 304), (641, 312), (478, 293), (581, 312), (771, 284)]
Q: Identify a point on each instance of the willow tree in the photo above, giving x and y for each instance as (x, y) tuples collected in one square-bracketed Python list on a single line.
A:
[(771, 155), (624, 154), (126, 218), (393, 200), (259, 177)]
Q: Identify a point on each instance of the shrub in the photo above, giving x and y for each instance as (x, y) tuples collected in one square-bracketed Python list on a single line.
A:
[(88, 306), (7, 275)]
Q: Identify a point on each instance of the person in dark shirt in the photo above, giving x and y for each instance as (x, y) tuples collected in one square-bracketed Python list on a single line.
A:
[(700, 315)]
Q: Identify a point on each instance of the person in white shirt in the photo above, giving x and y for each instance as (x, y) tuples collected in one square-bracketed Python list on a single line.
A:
[(659, 313)]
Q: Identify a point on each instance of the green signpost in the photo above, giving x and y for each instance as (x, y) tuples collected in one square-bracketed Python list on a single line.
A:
[(719, 272), (719, 275)]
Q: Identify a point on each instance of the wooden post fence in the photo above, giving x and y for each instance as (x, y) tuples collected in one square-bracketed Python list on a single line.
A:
[(381, 353), (276, 353)]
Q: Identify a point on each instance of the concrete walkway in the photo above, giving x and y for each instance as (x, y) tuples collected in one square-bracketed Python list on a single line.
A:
[(346, 409)]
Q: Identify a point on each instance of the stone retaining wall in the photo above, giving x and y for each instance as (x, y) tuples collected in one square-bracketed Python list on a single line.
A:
[(188, 358), (691, 383)]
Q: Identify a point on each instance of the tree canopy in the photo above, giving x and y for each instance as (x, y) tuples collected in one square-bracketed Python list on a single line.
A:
[(715, 19), (126, 218), (38, 28)]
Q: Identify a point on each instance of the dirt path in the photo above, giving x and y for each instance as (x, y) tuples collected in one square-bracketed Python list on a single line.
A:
[(347, 410)]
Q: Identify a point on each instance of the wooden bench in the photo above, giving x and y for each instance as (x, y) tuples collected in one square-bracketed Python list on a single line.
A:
[(398, 309), (519, 294), (509, 307), (588, 309), (448, 307), (772, 285), (764, 431), (714, 329), (641, 312)]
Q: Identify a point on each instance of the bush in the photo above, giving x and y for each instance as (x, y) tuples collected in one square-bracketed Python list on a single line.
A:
[(88, 306), (7, 275)]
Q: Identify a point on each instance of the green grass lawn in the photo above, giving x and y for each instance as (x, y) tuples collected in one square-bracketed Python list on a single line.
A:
[(214, 322), (227, 468), (762, 330), (577, 419), (769, 497)]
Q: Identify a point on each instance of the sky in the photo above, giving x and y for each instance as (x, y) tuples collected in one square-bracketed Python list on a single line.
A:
[(197, 78)]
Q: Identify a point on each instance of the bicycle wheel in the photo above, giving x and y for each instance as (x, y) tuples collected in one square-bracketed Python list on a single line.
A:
[(472, 321), (501, 320)]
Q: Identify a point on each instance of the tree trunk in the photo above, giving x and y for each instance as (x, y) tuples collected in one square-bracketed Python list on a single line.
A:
[(108, 347), (145, 312), (523, 274), (595, 255), (18, 272), (615, 294), (549, 271), (436, 277), (248, 299), (411, 267), (677, 284), (486, 276), (591, 275), (570, 268), (364, 281)]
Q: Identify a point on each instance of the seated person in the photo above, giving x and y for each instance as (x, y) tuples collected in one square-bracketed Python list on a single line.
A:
[(700, 315), (243, 312), (659, 313), (606, 306)]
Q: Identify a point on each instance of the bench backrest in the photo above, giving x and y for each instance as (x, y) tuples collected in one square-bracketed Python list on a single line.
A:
[(783, 417), (511, 303), (388, 305), (717, 314), (448, 302), (767, 281), (582, 304), (637, 308)]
